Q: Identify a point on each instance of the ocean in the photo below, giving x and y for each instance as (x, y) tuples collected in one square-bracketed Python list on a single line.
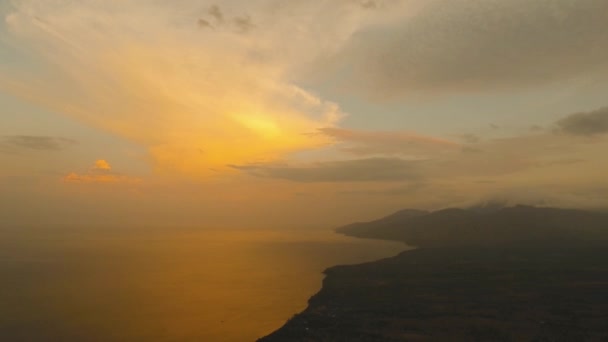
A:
[(134, 285)]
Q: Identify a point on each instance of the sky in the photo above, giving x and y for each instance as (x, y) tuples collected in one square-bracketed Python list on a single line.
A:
[(269, 113)]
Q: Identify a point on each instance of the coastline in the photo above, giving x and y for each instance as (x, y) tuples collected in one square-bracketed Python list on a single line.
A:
[(519, 291), (298, 318)]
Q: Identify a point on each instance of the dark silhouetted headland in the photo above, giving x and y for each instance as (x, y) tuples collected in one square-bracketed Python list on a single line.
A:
[(481, 274)]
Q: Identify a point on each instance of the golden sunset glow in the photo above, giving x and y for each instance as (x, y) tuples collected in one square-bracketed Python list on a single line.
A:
[(194, 106), (302, 106)]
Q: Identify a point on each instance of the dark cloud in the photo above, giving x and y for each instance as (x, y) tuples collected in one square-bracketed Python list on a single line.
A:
[(30, 142), (458, 45), (369, 4), (586, 123), (244, 24), (215, 12), (204, 23), (359, 170), (216, 18)]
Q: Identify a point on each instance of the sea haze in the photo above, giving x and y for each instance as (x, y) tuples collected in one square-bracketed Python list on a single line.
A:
[(164, 285)]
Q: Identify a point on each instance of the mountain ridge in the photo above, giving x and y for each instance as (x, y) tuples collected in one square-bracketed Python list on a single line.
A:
[(491, 225)]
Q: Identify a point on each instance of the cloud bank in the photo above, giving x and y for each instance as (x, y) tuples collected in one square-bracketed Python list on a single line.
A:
[(464, 45), (560, 169)]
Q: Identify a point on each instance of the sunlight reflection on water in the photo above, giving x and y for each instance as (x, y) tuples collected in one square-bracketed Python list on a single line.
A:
[(212, 285)]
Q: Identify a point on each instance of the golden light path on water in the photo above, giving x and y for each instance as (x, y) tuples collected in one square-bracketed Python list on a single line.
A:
[(165, 285)]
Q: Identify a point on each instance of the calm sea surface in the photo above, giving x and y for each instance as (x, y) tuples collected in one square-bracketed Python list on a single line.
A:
[(164, 285)]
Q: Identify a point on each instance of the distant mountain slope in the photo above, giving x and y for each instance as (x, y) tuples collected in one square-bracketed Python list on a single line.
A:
[(393, 220), (482, 227)]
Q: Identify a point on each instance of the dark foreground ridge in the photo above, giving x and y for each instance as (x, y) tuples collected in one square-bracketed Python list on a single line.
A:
[(502, 274)]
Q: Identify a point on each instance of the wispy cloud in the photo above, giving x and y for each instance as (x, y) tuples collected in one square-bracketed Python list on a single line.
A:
[(197, 99), (15, 143)]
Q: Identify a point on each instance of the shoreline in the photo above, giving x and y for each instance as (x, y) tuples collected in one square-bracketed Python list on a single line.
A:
[(328, 273)]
